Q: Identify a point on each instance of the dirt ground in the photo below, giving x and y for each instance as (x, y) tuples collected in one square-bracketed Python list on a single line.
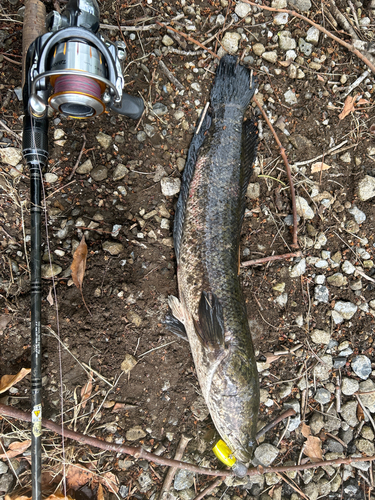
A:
[(126, 294)]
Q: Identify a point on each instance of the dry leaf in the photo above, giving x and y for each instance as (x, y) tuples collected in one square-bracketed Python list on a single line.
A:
[(55, 496), (313, 448), (305, 429), (118, 407), (50, 298), (110, 481), (77, 476), (100, 493), (86, 391), (16, 448), (318, 167), (348, 106), (78, 266), (8, 381)]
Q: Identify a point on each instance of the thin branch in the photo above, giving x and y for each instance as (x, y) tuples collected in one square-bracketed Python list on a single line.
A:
[(170, 76), (5, 127), (288, 413), (271, 258), (172, 470), (209, 489), (192, 40), (139, 452), (75, 168), (292, 13)]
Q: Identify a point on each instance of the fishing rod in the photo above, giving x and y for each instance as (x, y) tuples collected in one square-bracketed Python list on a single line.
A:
[(70, 67)]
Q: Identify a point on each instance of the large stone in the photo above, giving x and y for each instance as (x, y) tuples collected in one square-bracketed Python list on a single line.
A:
[(312, 35), (265, 454), (366, 188), (349, 386), (270, 56), (11, 156)]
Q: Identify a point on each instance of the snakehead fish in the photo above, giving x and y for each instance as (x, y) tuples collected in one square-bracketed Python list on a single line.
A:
[(207, 226)]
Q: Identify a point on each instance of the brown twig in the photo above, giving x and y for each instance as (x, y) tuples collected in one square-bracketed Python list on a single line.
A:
[(188, 38), (271, 258), (139, 452), (210, 488), (172, 470), (271, 425), (5, 127), (170, 76), (292, 13), (78, 159), (11, 60), (288, 172)]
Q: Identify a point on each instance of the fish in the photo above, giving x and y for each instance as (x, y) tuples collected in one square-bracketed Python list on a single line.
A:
[(211, 310)]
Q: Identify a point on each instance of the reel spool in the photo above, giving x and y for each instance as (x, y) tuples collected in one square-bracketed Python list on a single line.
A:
[(78, 96)]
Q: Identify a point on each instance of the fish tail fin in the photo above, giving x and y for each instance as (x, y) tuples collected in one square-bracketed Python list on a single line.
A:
[(232, 83)]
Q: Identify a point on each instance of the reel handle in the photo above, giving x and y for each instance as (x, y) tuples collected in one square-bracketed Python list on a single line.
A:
[(130, 106)]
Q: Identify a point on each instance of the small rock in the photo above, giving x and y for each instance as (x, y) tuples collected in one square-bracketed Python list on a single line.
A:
[(303, 208), (113, 247), (365, 446), (301, 143), (120, 172), (304, 47), (337, 279), (312, 35), (322, 396), (159, 173), (167, 41), (99, 174), (258, 49), (129, 363), (50, 270), (11, 156), (104, 140), (321, 294), (196, 86), (323, 371), (346, 309), (286, 41), (231, 41), (316, 423), (302, 5), (339, 361), (366, 188), (6, 482), (183, 479), (270, 56), (3, 467), (149, 129), (298, 269), (134, 318), (135, 433), (361, 366), (253, 191), (145, 481), (368, 399), (180, 164), (242, 9), (170, 186), (279, 4), (282, 300), (160, 109), (265, 454), (349, 386), (349, 413), (348, 267), (320, 337), (141, 136), (50, 178), (281, 18), (85, 168)]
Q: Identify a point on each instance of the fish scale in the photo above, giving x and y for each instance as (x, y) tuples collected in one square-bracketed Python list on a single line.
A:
[(211, 308)]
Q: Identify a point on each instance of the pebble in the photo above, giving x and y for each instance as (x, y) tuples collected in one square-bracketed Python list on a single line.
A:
[(3, 467), (302, 5), (145, 482), (270, 56), (322, 396), (349, 413), (183, 479), (348, 267), (50, 178), (231, 41), (135, 433), (286, 41), (339, 361), (113, 247), (99, 174), (134, 318), (265, 454), (320, 337), (281, 18), (258, 49), (50, 270), (361, 366), (320, 279), (160, 109), (58, 134), (141, 136), (180, 164), (85, 168), (11, 156), (346, 309), (167, 41), (253, 191), (104, 140), (303, 208), (323, 371), (129, 363), (349, 386), (365, 446), (298, 269), (321, 264), (337, 280), (170, 186), (242, 9), (321, 294), (366, 188), (305, 47), (120, 172), (200, 409), (282, 300), (150, 130), (178, 115), (312, 35), (279, 4), (6, 481)]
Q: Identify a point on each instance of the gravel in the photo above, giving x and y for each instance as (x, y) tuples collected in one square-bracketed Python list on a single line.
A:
[(361, 366), (265, 454)]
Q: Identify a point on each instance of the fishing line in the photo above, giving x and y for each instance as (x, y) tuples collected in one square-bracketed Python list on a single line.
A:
[(44, 208)]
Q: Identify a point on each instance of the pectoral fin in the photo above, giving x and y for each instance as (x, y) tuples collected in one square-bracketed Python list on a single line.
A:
[(175, 321), (210, 326)]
